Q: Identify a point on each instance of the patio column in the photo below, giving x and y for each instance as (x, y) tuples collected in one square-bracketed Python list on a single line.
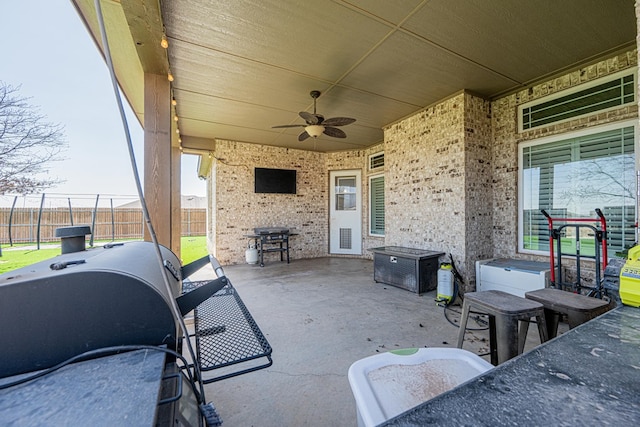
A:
[(161, 163), (176, 195)]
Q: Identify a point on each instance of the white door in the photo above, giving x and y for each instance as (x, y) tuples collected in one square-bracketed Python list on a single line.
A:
[(345, 213)]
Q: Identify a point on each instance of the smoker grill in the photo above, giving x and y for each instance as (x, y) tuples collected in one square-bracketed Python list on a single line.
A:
[(111, 297), (86, 300)]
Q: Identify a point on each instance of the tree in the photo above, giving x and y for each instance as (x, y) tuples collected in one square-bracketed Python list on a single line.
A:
[(28, 144)]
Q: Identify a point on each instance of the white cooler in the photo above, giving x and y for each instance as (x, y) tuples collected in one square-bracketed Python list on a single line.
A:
[(388, 384)]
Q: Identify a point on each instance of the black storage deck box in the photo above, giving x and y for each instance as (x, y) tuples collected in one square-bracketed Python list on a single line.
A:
[(415, 270)]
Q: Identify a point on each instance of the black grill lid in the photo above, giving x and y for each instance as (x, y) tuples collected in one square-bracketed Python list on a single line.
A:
[(271, 230)]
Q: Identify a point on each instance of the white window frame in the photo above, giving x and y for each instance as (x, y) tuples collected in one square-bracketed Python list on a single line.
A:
[(578, 88), (371, 204), (371, 156), (560, 137)]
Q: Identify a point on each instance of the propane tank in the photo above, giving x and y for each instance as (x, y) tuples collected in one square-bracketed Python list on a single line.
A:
[(251, 254), (445, 284)]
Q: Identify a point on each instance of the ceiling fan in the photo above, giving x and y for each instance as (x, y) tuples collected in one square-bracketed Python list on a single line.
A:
[(317, 125)]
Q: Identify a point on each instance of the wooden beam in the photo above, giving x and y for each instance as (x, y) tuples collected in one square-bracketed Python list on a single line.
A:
[(176, 200), (145, 24), (157, 156), (195, 144)]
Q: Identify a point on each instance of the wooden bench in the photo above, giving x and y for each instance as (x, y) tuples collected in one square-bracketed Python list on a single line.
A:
[(578, 308)]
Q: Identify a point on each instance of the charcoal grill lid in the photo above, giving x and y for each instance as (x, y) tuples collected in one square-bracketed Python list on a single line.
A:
[(73, 231)]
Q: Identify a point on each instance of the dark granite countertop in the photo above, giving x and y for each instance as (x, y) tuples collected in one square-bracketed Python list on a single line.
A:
[(589, 375), (118, 390)]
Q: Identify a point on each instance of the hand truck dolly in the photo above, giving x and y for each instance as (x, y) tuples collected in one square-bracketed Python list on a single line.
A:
[(600, 257)]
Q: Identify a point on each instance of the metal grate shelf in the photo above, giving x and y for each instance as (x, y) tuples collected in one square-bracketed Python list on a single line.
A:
[(227, 335)]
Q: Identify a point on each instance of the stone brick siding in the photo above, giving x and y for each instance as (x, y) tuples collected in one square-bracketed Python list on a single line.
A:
[(424, 197), (238, 209), (478, 185), (439, 181)]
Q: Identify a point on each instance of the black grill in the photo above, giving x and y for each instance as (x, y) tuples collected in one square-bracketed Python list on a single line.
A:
[(86, 300)]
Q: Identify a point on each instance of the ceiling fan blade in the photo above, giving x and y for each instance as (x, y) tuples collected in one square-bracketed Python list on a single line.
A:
[(338, 121), (311, 119), (288, 126), (334, 132), (304, 135)]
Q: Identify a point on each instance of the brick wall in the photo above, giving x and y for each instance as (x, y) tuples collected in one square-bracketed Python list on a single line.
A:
[(424, 156), (478, 185), (438, 181), (238, 210)]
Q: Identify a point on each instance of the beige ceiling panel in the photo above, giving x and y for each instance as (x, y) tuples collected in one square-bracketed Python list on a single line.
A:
[(317, 38), (523, 39), (203, 71), (409, 70), (215, 130), (392, 11), (368, 108), (219, 110), (243, 66)]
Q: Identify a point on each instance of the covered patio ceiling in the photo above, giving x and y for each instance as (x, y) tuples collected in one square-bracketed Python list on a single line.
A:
[(241, 67)]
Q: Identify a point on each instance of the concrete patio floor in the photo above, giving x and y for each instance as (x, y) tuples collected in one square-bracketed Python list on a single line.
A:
[(320, 316)]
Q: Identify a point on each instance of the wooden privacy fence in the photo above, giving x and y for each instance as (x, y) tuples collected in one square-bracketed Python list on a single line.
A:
[(33, 225)]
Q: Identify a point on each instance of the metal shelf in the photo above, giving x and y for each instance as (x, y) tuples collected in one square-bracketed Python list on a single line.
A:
[(227, 336)]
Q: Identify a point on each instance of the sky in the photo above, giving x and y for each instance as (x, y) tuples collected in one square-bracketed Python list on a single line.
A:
[(48, 53)]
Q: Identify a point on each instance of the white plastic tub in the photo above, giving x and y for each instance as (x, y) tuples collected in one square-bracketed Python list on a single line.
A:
[(388, 384)]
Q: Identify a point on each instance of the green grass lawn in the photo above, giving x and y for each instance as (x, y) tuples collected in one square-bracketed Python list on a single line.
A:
[(192, 248), (587, 245)]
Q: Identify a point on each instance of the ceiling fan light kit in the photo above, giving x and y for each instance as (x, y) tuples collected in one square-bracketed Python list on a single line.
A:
[(314, 130), (316, 125)]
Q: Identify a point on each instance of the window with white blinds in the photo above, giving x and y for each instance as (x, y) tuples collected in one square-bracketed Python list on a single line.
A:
[(570, 178), (376, 205)]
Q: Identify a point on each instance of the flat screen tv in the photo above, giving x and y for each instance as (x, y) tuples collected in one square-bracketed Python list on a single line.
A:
[(275, 181)]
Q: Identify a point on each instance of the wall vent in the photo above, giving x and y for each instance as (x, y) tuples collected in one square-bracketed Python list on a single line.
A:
[(345, 238), (376, 161)]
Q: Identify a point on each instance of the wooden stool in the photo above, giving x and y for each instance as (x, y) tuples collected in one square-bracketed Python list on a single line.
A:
[(505, 311), (578, 308)]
